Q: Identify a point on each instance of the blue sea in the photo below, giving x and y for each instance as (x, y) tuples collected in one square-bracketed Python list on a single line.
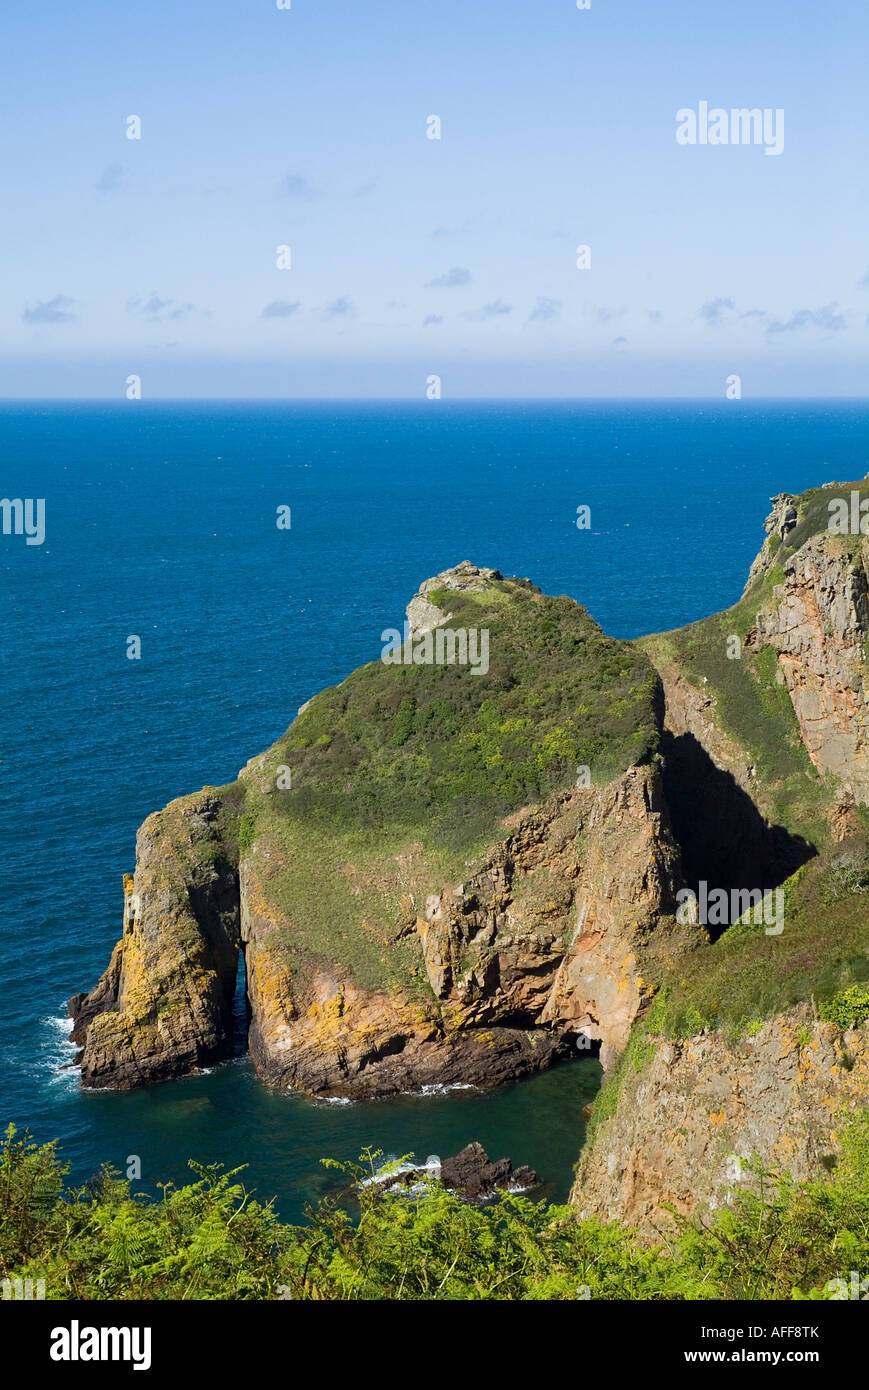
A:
[(161, 523)]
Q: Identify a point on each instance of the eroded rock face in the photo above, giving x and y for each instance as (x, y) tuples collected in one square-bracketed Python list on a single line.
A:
[(778, 525), (819, 625), (314, 1029), (544, 940), (684, 1122), (542, 946), (163, 1007), (423, 614)]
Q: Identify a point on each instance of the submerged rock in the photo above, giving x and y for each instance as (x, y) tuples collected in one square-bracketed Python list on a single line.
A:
[(470, 1174)]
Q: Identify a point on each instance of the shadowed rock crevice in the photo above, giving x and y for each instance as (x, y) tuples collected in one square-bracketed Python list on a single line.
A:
[(724, 839)]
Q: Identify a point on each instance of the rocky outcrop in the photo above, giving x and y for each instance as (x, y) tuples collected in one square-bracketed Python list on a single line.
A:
[(393, 974), (688, 1122), (818, 624), (470, 1174), (778, 525), (313, 1028), (543, 944), (163, 1008), (464, 578)]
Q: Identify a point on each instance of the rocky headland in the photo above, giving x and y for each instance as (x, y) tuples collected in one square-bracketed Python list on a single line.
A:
[(441, 875)]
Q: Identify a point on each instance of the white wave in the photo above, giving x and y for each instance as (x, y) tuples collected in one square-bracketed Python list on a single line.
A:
[(57, 1051), (439, 1088), (391, 1168)]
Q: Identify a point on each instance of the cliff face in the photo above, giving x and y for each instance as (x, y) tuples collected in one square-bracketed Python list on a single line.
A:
[(542, 942), (690, 1118), (451, 876), (766, 750), (768, 702), (440, 937), (817, 621), (818, 624), (164, 1005)]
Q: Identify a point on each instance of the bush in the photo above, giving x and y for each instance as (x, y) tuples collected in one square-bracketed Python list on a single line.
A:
[(214, 1240), (849, 1009)]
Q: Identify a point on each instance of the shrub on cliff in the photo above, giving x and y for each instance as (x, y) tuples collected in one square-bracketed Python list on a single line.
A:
[(214, 1240)]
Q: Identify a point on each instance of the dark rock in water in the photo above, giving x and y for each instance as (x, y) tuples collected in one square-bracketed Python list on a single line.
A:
[(472, 1174)]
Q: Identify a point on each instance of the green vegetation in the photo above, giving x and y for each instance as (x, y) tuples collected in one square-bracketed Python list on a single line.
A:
[(813, 514), (402, 745), (746, 976), (850, 1008), (754, 708), (246, 832), (214, 1240), (402, 775)]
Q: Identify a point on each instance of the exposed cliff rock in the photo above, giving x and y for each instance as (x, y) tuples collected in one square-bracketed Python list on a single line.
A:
[(545, 940), (814, 613), (164, 1005), (691, 1114), (465, 578), (771, 698), (818, 624), (766, 747), (778, 525), (428, 894)]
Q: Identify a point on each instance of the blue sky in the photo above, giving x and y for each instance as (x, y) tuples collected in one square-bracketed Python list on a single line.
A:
[(411, 257)]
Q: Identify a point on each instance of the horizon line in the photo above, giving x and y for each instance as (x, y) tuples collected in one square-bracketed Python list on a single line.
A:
[(423, 403)]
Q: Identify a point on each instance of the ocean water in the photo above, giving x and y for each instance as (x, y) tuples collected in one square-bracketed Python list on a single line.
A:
[(161, 523)]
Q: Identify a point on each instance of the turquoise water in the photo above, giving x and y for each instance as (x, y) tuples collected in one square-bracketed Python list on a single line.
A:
[(160, 522)]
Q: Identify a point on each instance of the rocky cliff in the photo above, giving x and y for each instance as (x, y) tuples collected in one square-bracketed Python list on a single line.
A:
[(444, 875), (164, 1005), (765, 742), (541, 947), (693, 1114), (454, 872)]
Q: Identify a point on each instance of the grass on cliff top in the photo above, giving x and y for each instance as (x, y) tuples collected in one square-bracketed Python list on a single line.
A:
[(813, 515), (402, 774), (754, 708), (452, 750), (747, 976)]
